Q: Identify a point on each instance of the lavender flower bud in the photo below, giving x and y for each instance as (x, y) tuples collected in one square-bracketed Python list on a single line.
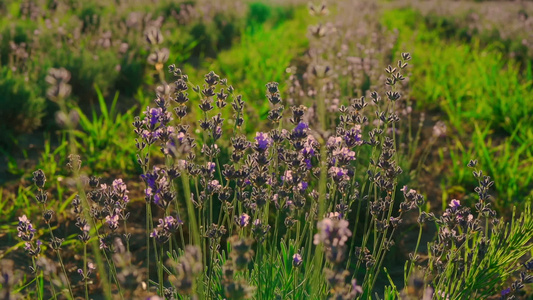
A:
[(39, 178), (297, 260)]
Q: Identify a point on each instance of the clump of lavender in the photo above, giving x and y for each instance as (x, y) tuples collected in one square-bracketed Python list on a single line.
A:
[(469, 241), (165, 229), (101, 204), (128, 276), (519, 284), (188, 267), (39, 178), (333, 234), (417, 288), (26, 232), (240, 257)]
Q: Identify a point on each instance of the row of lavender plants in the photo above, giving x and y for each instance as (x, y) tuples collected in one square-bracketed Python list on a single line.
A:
[(509, 23), (309, 207)]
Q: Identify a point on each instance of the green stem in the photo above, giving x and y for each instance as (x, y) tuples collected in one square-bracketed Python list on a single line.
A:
[(37, 279), (85, 270), (61, 262), (411, 265), (148, 231)]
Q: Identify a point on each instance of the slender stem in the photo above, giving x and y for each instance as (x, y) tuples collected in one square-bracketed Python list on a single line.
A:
[(127, 239), (61, 261), (85, 270), (37, 279), (148, 231), (295, 283), (411, 265), (160, 270), (54, 294)]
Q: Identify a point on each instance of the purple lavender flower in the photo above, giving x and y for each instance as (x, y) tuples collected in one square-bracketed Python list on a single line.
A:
[(275, 200), (334, 215), (455, 204), (120, 189), (103, 245), (287, 177), (90, 268), (344, 155), (309, 150), (412, 198), (356, 288), (24, 222), (353, 136), (308, 164), (333, 234), (152, 189), (301, 127), (334, 142), (263, 141), (169, 223), (39, 178), (299, 132), (33, 251), (302, 186), (211, 167), (165, 229), (339, 174), (297, 260), (214, 186), (119, 186), (152, 117), (27, 246), (151, 193), (506, 292), (259, 231), (112, 222), (218, 132), (145, 134), (25, 229), (243, 220), (151, 177)]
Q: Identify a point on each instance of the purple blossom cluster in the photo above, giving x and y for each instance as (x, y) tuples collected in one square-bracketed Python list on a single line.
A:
[(114, 199), (333, 234), (26, 232), (262, 142), (166, 227), (25, 229)]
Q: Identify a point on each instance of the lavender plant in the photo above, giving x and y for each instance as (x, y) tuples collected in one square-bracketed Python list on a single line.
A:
[(474, 253)]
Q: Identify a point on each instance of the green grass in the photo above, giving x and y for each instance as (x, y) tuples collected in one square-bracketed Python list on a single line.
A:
[(484, 98), (106, 139)]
